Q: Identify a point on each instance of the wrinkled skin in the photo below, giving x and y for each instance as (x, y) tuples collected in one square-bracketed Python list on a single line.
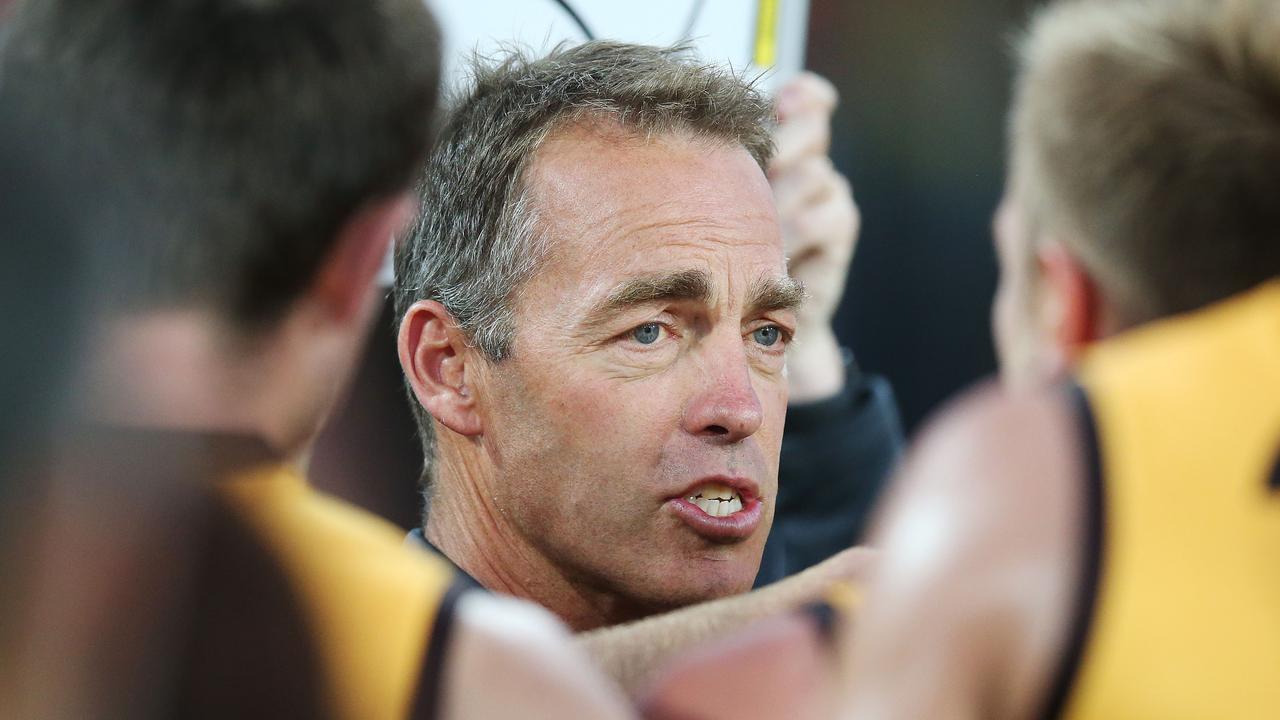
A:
[(598, 418)]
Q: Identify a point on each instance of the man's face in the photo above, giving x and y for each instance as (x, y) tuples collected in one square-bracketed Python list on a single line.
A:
[(636, 427)]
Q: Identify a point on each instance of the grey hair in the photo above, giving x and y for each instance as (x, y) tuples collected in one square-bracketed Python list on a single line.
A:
[(477, 239)]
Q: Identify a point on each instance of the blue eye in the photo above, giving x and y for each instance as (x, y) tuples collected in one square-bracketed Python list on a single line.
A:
[(647, 334), (767, 335)]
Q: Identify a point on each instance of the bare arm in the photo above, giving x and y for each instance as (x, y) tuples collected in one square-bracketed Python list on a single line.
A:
[(778, 668), (631, 653), (511, 659), (967, 612)]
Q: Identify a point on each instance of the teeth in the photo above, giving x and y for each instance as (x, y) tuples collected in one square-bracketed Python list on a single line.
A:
[(717, 508), (717, 492), (717, 500)]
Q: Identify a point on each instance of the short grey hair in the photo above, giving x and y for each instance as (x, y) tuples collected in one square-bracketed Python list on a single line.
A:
[(477, 239)]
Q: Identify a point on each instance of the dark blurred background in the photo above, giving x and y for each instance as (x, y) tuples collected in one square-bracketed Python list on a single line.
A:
[(920, 133), (924, 87)]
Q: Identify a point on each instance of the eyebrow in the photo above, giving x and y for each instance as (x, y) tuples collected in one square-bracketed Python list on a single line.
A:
[(683, 285), (771, 294)]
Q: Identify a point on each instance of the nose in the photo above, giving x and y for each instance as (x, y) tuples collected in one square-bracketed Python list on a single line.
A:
[(725, 407)]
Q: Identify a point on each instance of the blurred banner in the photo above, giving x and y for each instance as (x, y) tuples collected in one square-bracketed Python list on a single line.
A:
[(750, 35)]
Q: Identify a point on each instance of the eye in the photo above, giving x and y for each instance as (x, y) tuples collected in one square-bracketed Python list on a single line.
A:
[(768, 335), (647, 334)]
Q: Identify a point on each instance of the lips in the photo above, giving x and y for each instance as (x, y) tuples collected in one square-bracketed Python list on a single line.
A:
[(720, 509)]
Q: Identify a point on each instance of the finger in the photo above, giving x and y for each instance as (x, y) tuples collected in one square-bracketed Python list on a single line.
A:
[(803, 184), (807, 92), (800, 137), (830, 228)]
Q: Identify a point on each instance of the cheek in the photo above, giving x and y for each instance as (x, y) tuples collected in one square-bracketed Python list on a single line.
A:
[(589, 468), (577, 436), (1022, 344), (1012, 329), (1002, 323), (773, 405), (620, 430)]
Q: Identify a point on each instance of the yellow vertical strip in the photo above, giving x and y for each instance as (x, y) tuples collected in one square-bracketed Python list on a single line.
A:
[(766, 52)]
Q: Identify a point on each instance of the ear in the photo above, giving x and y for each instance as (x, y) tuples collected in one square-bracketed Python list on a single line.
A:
[(346, 278), (434, 354), (1075, 319)]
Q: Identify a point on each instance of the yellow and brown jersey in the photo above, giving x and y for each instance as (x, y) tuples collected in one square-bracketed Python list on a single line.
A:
[(1180, 615), (378, 613), (245, 593)]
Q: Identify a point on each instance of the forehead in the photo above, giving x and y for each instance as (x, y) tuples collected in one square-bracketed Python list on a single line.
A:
[(614, 202)]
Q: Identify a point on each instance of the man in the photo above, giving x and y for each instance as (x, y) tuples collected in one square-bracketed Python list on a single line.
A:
[(245, 165), (1109, 549), (826, 483), (595, 313)]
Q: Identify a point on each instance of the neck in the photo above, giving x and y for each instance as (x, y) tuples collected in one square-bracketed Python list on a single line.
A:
[(185, 370), (465, 524)]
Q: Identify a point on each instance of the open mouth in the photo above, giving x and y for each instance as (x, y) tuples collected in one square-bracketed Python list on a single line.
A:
[(717, 500), (720, 509)]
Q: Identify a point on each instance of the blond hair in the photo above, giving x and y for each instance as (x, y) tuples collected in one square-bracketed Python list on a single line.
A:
[(1145, 136)]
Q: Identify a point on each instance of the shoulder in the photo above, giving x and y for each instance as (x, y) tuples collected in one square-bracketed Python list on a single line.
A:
[(355, 564), (510, 658), (979, 539), (987, 465), (326, 535), (994, 477), (999, 433), (372, 603)]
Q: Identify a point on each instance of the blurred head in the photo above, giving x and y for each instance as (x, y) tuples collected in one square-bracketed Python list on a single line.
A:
[(594, 312), (1144, 143), (240, 161)]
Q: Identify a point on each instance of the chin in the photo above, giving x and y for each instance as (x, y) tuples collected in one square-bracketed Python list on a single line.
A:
[(697, 581)]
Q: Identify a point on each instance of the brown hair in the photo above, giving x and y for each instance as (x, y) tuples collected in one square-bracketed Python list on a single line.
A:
[(221, 144)]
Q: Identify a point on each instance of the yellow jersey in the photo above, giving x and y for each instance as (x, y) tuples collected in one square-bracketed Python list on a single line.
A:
[(377, 611), (1185, 618)]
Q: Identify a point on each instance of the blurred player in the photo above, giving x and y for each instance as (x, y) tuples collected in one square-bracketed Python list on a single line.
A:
[(243, 166), (1109, 548)]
